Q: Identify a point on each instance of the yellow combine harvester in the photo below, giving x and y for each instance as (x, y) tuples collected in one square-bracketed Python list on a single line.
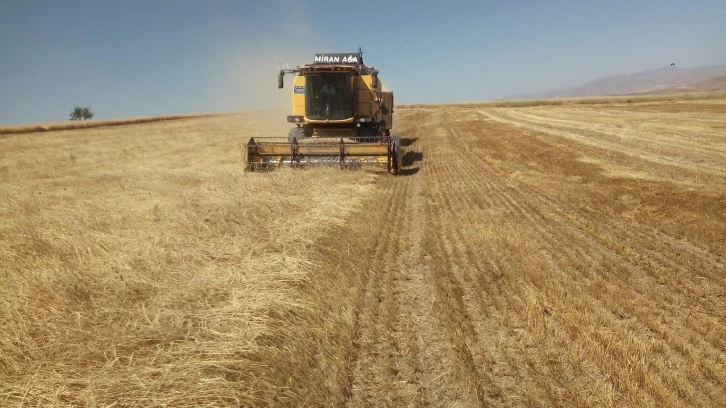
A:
[(341, 115)]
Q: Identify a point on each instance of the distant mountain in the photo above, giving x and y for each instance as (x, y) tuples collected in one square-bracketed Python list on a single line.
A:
[(659, 80), (712, 84)]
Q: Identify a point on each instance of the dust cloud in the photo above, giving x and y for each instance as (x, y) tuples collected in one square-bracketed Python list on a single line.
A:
[(247, 69)]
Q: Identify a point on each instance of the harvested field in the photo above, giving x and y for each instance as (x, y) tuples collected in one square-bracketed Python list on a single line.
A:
[(639, 99), (532, 256)]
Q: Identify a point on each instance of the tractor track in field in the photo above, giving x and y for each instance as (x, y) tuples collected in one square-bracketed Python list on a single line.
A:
[(488, 290), (396, 357)]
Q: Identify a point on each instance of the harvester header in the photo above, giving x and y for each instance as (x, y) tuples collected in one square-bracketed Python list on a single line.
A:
[(341, 116)]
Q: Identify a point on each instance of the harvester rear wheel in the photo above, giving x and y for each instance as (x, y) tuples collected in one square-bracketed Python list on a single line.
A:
[(296, 133)]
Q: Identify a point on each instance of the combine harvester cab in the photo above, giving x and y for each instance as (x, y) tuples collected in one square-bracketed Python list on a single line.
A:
[(342, 117)]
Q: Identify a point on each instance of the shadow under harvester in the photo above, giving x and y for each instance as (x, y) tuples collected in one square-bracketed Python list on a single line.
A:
[(410, 158)]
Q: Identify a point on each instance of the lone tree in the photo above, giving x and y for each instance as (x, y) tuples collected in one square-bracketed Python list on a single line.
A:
[(79, 113), (87, 114)]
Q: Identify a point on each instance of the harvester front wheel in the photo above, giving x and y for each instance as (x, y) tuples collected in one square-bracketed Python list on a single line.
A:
[(296, 133), (397, 155)]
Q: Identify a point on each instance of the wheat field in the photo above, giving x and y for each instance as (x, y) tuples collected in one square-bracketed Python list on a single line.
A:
[(554, 255)]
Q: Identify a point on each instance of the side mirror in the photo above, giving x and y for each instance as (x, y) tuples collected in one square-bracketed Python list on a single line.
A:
[(279, 82)]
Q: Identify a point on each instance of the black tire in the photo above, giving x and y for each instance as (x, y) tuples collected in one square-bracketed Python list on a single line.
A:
[(296, 133), (397, 155)]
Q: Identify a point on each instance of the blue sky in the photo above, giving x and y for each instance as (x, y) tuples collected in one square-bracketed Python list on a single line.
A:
[(153, 57)]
